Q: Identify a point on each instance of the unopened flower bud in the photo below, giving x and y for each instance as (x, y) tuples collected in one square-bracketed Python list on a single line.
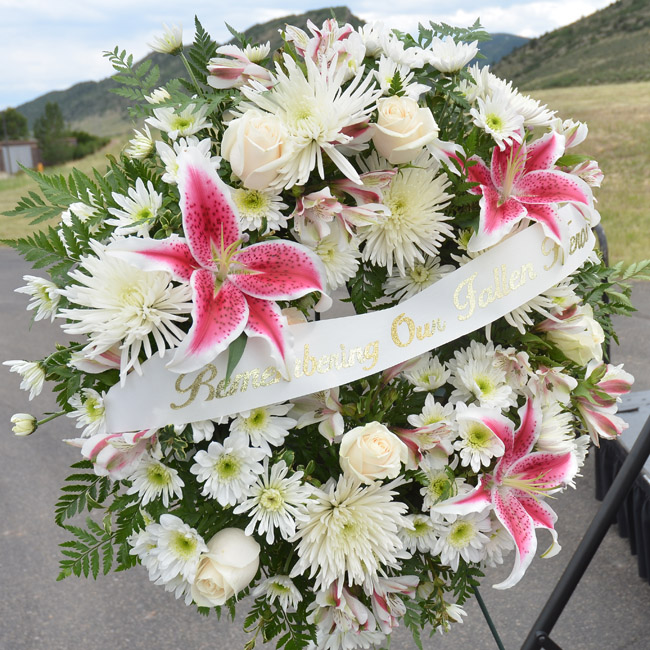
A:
[(24, 424)]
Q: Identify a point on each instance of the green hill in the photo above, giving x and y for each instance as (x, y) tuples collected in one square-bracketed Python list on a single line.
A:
[(609, 46), (499, 46)]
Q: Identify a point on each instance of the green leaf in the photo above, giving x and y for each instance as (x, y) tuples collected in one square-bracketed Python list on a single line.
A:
[(571, 159), (235, 352)]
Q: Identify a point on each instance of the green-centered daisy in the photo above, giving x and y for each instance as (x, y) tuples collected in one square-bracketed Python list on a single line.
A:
[(427, 374), (281, 588), (228, 470), (188, 122), (496, 116), (275, 501), (89, 411), (421, 536), (138, 210), (417, 278), (256, 207), (153, 480), (477, 443), (463, 537), (264, 426)]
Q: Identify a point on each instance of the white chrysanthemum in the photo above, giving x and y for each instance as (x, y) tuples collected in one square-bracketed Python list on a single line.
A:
[(169, 155), (463, 537), (171, 41), (351, 532), (428, 374), (142, 145), (557, 432), (386, 72), (255, 206), (432, 413), (448, 55), (280, 587), (158, 96), (228, 470), (498, 118), (45, 296), (417, 278), (477, 443), (315, 110), (123, 304), (201, 430), (264, 425), (32, 375), (138, 210), (421, 536), (476, 375), (499, 543), (416, 196), (153, 480), (89, 411), (189, 121), (275, 501)]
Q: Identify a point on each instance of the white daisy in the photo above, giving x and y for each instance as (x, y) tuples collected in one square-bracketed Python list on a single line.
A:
[(498, 118), (255, 206), (351, 532), (280, 587), (463, 537), (142, 146), (32, 375), (500, 542), (477, 443), (417, 278), (228, 470), (275, 501), (171, 41), (439, 485), (432, 413), (153, 480), (264, 426), (89, 410), (169, 155), (428, 374), (138, 210), (421, 536), (188, 122), (416, 196), (45, 296), (448, 55), (201, 430)]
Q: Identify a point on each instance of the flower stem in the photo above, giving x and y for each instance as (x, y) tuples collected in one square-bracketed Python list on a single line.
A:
[(50, 417), (186, 63)]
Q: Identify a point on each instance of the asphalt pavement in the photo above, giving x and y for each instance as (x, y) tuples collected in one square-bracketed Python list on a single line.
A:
[(609, 610)]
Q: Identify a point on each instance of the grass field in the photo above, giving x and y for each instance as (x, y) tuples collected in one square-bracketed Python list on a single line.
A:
[(619, 135)]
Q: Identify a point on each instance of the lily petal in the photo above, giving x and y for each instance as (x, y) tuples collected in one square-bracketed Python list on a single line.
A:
[(526, 435), (543, 153), (552, 186), (265, 319), (547, 215), (543, 516), (478, 499), (503, 161), (478, 173), (551, 470)]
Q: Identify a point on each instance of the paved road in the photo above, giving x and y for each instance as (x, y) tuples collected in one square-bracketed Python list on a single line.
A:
[(609, 609)]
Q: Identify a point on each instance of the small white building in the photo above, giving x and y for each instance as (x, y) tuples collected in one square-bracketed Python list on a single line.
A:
[(18, 152)]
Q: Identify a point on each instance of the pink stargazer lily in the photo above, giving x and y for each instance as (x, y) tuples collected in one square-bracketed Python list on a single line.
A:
[(234, 287), (516, 487), (523, 183)]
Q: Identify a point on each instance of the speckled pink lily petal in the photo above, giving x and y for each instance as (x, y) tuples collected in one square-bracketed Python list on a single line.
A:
[(210, 220), (496, 220), (282, 270), (530, 415), (217, 320), (551, 186), (502, 162), (478, 499), (265, 319), (478, 173), (547, 215), (553, 470), (543, 153), (543, 516)]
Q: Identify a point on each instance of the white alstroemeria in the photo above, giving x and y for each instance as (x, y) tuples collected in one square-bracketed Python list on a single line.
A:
[(496, 117), (255, 207), (264, 426), (477, 443), (154, 480), (169, 155), (32, 375), (119, 303), (138, 210), (552, 384), (158, 96), (323, 408), (427, 374), (189, 121), (171, 41), (463, 536), (142, 145), (281, 588), (45, 296), (449, 56), (228, 470), (275, 501), (89, 411), (417, 278), (574, 132), (421, 536)]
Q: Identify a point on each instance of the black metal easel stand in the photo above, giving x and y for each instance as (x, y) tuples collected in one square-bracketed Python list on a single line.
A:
[(539, 636)]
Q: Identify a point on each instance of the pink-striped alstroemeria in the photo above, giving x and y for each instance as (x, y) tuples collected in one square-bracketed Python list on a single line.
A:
[(522, 183), (235, 68), (517, 486), (386, 606), (234, 286)]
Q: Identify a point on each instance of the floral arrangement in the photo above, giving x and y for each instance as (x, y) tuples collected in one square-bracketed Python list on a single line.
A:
[(363, 165)]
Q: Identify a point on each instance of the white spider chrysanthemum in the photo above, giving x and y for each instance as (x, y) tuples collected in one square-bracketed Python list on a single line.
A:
[(315, 111), (448, 55), (142, 145), (496, 116), (557, 432), (477, 443), (280, 587), (417, 278), (123, 304), (152, 480), (138, 210), (45, 296), (428, 374), (188, 122), (416, 197), (533, 112), (275, 501), (158, 96), (264, 426), (463, 537), (422, 536), (476, 375), (228, 470), (32, 375), (169, 155), (255, 206), (351, 532), (89, 411)]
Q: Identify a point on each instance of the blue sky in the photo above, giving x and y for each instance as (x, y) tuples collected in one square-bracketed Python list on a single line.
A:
[(52, 44)]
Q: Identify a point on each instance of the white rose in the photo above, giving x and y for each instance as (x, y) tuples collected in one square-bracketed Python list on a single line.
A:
[(402, 129), (229, 565), (584, 344), (255, 145), (372, 452), (294, 316)]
